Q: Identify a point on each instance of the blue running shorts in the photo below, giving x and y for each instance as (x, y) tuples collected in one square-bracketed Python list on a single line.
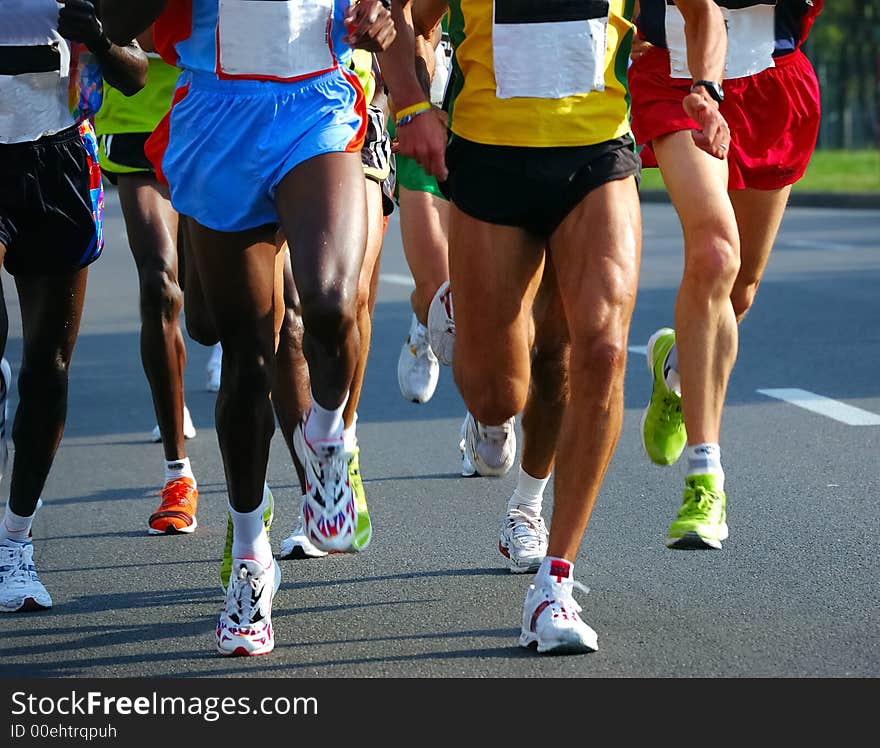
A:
[(231, 142)]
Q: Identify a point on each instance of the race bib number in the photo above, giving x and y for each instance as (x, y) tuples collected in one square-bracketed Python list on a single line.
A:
[(751, 39), (274, 39), (549, 50)]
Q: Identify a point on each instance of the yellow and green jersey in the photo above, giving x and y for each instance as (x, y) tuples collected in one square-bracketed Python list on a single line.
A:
[(535, 73), (142, 112)]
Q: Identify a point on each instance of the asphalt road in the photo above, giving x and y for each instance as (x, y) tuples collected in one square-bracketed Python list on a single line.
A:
[(794, 593)]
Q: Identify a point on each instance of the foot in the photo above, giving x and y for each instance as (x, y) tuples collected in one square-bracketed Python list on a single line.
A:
[(268, 515), (702, 520), (523, 541), (177, 512), (487, 450), (663, 433), (297, 545), (20, 588), (441, 325), (245, 625), (417, 367), (329, 506), (189, 430), (550, 614), (213, 367)]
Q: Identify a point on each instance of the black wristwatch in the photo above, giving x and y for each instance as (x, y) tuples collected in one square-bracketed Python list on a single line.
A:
[(712, 87)]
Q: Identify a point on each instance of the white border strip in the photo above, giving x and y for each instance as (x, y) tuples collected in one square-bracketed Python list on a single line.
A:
[(825, 406)]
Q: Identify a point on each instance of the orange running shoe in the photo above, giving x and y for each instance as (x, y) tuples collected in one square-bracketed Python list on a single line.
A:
[(177, 512)]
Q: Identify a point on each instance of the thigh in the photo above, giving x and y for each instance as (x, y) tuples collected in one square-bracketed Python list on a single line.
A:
[(237, 274), (758, 217), (375, 235), (494, 274), (321, 204), (51, 310), (596, 253)]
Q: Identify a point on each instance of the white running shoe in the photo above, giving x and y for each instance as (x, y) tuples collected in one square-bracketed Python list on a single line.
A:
[(297, 545), (20, 587), (213, 368), (417, 367), (329, 512), (245, 625), (486, 450), (189, 430), (550, 613), (5, 386), (441, 325), (523, 541)]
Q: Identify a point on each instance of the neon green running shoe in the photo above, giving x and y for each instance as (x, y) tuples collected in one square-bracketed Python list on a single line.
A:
[(363, 531), (663, 433), (226, 563), (702, 519)]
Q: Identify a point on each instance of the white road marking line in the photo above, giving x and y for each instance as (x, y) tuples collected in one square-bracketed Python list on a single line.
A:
[(643, 349), (825, 406), (813, 244), (397, 279)]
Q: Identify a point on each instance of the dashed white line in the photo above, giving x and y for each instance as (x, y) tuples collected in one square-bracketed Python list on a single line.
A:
[(825, 406)]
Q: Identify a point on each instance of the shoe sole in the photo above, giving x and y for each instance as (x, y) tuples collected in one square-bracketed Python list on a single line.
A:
[(245, 652), (530, 641), (692, 541), (298, 554), (28, 606), (171, 530)]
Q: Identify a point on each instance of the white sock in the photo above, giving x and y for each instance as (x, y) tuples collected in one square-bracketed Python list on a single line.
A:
[(322, 424), (705, 459), (554, 569), (528, 495), (249, 539), (15, 526), (181, 468), (670, 370), (349, 436)]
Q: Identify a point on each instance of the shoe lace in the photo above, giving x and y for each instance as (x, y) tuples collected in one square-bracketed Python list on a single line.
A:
[(245, 597), (331, 470), (176, 493), (496, 434), (17, 565), (699, 502), (525, 529), (565, 596), (670, 407)]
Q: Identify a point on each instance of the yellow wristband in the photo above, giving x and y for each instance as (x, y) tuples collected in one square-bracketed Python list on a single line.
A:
[(422, 106)]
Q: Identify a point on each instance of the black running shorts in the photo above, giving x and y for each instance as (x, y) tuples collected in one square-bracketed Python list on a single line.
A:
[(532, 188), (51, 203)]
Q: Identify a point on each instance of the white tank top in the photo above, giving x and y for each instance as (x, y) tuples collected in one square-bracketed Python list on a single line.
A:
[(33, 103)]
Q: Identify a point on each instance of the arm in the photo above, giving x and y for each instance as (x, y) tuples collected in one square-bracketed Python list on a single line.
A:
[(424, 137), (706, 39), (123, 66)]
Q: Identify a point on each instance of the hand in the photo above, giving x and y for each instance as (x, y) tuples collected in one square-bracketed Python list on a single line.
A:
[(370, 26), (714, 134), (78, 22), (639, 47), (423, 139)]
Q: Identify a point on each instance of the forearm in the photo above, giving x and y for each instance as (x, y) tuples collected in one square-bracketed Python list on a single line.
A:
[(123, 67), (398, 61), (706, 38), (124, 20)]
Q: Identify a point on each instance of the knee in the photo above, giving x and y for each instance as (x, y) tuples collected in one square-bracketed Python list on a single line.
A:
[(160, 293), (329, 315), (43, 377), (491, 398), (713, 259), (597, 364), (246, 368)]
